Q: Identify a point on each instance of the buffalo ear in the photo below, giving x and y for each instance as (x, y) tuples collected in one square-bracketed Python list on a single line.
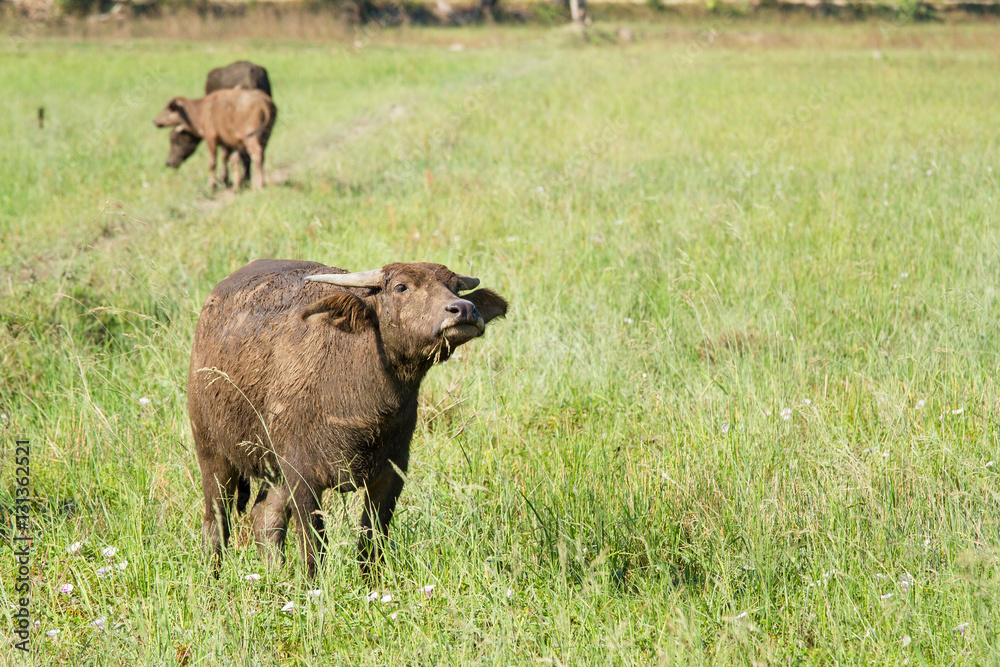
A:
[(342, 310), (489, 304)]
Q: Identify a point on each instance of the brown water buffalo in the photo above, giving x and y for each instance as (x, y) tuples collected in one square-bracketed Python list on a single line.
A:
[(241, 74), (235, 120), (307, 377)]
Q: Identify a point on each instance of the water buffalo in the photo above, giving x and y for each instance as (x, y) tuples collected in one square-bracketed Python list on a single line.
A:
[(237, 120), (184, 143), (307, 377), (240, 74)]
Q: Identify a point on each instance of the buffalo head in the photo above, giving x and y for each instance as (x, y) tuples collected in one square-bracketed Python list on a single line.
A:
[(175, 115), (416, 308), (182, 145)]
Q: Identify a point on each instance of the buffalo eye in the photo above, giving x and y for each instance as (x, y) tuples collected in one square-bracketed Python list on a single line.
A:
[(400, 288)]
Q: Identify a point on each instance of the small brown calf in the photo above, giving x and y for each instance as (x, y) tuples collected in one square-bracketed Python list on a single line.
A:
[(235, 120)]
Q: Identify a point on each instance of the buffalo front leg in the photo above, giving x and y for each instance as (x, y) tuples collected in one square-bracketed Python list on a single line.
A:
[(219, 480), (380, 504), (212, 147), (270, 516), (312, 528)]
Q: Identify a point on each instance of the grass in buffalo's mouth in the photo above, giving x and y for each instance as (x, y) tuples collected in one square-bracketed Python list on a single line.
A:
[(742, 408)]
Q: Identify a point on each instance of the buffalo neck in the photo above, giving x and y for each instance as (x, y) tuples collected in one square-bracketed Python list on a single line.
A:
[(401, 373)]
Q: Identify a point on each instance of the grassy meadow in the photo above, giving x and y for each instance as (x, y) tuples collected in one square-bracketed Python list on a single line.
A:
[(743, 409)]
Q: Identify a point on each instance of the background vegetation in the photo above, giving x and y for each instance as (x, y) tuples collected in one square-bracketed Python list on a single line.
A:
[(743, 408)]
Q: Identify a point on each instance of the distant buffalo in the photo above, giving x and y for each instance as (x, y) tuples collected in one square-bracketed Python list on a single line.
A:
[(240, 74), (235, 120), (307, 377), (183, 144)]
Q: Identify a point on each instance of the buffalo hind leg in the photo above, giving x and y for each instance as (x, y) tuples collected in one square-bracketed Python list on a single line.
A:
[(235, 163), (380, 503), (270, 516), (255, 149), (245, 161)]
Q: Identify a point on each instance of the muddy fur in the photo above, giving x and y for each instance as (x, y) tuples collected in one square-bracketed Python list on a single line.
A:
[(309, 386)]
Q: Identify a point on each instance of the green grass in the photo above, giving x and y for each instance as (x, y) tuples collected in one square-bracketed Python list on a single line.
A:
[(694, 236)]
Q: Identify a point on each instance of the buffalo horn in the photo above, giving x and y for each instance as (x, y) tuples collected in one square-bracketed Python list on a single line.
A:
[(467, 283), (371, 278)]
